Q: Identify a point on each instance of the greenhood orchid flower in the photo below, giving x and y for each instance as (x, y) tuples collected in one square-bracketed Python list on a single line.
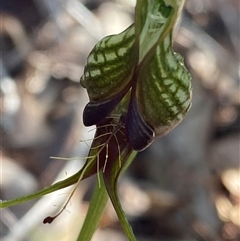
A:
[(138, 89), (138, 68)]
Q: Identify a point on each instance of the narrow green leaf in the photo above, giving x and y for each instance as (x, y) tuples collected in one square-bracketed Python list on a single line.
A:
[(87, 170), (57, 186), (95, 211)]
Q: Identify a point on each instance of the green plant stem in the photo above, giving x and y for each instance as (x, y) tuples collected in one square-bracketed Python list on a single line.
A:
[(95, 211)]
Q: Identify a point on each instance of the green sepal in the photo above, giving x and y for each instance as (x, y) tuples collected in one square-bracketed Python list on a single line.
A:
[(111, 176), (154, 20)]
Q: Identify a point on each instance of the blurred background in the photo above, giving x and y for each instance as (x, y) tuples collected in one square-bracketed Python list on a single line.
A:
[(186, 186)]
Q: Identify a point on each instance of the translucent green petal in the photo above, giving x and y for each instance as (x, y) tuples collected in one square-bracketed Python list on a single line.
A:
[(164, 89), (110, 66)]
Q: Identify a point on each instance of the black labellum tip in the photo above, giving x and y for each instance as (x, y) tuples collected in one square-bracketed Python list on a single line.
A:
[(95, 111)]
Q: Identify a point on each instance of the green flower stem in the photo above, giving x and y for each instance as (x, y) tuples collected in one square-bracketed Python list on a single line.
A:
[(95, 211)]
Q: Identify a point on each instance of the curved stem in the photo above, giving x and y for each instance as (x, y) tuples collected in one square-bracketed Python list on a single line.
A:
[(111, 185), (122, 217)]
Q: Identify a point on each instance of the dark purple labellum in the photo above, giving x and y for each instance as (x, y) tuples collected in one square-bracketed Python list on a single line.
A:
[(140, 135), (95, 111)]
